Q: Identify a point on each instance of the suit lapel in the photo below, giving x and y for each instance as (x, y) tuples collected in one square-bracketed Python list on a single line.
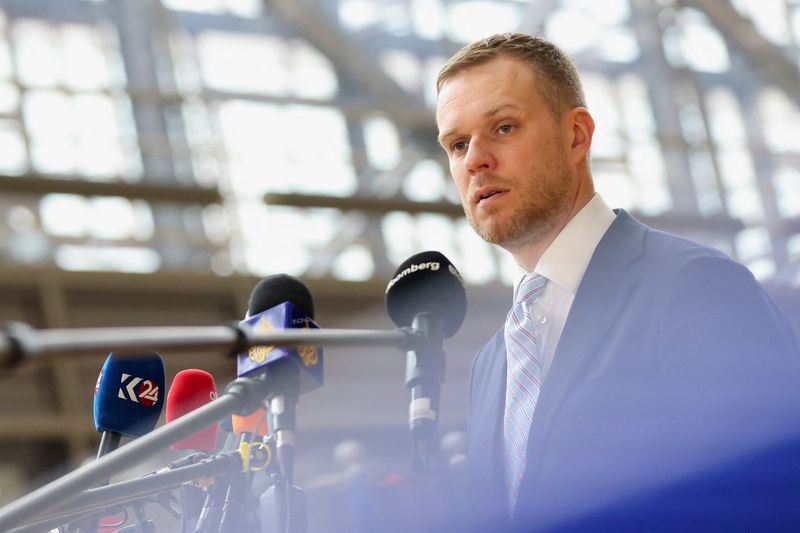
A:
[(600, 298), (489, 413), (486, 421)]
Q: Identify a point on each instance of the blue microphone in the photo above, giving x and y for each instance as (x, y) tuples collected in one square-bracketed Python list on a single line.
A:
[(128, 398), (280, 302)]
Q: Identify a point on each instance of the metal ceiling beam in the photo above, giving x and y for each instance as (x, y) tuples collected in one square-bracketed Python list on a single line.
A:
[(356, 225), (764, 56), (175, 284), (350, 58), (365, 204), (665, 103), (34, 184)]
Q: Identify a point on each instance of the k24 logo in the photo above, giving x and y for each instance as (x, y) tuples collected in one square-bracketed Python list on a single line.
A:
[(138, 390)]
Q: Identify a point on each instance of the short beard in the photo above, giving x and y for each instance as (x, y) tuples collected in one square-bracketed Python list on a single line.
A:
[(538, 215)]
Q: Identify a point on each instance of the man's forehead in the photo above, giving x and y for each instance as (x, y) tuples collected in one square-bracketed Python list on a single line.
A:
[(490, 108), (508, 66), (503, 78)]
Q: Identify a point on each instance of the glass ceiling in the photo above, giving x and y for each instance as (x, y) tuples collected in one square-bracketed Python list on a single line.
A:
[(230, 95)]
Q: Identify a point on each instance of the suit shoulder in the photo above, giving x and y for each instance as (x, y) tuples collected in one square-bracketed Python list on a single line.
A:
[(659, 253), (676, 250), (681, 262), (693, 272)]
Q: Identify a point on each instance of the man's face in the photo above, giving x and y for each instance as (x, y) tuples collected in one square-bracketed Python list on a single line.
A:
[(508, 155)]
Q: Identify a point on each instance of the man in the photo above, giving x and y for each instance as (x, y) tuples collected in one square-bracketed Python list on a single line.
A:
[(642, 381)]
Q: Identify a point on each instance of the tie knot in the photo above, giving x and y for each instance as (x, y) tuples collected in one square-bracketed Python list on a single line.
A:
[(531, 288)]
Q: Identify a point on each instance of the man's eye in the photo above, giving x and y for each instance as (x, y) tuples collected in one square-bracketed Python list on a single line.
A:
[(458, 146), (505, 128)]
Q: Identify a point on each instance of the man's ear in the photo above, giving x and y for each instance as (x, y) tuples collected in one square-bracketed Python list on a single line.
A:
[(581, 126)]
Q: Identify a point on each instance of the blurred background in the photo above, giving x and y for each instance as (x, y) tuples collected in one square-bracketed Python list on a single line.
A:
[(158, 157)]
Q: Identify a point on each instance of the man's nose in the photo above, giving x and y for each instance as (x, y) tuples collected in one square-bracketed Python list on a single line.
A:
[(479, 157)]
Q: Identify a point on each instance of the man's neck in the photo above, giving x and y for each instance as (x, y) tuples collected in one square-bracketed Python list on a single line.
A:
[(528, 253)]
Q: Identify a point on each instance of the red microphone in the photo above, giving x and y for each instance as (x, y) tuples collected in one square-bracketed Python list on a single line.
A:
[(191, 389)]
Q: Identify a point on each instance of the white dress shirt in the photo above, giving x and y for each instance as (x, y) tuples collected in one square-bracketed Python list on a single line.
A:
[(563, 264)]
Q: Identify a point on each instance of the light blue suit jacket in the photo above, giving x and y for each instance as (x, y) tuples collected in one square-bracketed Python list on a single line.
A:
[(673, 400)]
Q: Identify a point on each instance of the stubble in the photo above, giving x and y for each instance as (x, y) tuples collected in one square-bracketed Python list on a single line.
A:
[(544, 200)]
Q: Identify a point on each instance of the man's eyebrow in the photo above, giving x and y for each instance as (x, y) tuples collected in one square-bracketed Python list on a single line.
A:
[(501, 107), (493, 111), (443, 135)]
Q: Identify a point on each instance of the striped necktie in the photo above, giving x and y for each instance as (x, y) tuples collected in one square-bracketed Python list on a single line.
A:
[(523, 380)]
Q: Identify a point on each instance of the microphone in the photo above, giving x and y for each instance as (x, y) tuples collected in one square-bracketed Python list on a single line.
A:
[(247, 427), (282, 301), (252, 431), (427, 294), (128, 401), (128, 398), (278, 302), (191, 389)]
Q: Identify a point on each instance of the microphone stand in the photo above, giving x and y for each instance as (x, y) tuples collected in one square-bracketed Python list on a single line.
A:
[(283, 508), (234, 501), (98, 500), (242, 396), (142, 524), (212, 507), (424, 376), (282, 505), (19, 341), (236, 493), (191, 500), (109, 441)]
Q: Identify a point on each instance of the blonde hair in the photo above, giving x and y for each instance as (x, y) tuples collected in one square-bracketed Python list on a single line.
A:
[(557, 76)]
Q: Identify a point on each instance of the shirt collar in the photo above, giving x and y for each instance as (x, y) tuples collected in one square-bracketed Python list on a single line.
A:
[(566, 259)]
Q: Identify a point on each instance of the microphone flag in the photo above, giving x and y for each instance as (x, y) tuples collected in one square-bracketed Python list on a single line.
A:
[(258, 358)]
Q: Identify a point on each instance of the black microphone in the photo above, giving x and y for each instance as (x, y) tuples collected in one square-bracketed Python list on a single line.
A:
[(427, 294), (278, 302)]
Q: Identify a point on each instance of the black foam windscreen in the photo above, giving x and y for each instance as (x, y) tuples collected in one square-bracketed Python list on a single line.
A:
[(427, 281), (279, 288)]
